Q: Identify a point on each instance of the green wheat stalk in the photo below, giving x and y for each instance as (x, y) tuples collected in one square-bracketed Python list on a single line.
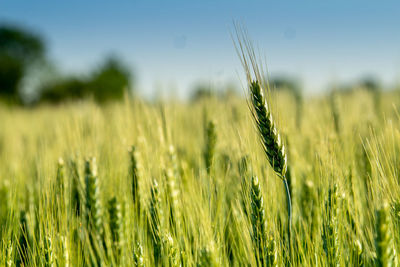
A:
[(170, 251), (134, 175), (258, 222), (206, 258), (173, 202), (93, 208), (49, 256), (330, 235), (138, 259), (93, 205), (155, 222), (385, 252), (24, 240), (115, 224), (265, 245), (209, 150), (76, 189), (260, 109)]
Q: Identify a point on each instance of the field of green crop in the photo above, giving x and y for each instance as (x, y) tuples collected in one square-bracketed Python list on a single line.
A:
[(189, 184)]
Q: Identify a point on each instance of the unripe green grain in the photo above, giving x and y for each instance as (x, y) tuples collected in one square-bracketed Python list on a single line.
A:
[(330, 234), (385, 252), (65, 251), (138, 259), (170, 251), (209, 150), (60, 179), (76, 189), (155, 222), (10, 254), (259, 233), (24, 240), (245, 173), (93, 204), (134, 175), (206, 258), (93, 209), (49, 256), (173, 202), (271, 142), (271, 139), (357, 254), (115, 224), (334, 103)]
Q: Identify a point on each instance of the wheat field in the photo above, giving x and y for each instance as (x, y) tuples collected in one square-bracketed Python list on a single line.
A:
[(189, 184)]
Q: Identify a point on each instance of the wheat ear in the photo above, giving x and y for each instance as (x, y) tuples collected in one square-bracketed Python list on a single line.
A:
[(76, 189), (155, 222), (385, 252), (138, 256), (209, 150), (93, 205), (115, 223), (134, 175), (260, 109), (93, 209), (330, 234), (258, 222)]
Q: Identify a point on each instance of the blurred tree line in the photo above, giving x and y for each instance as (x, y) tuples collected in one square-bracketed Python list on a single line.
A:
[(23, 54), (24, 65)]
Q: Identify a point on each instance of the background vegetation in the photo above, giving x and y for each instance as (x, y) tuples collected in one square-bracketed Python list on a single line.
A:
[(23, 56), (186, 194)]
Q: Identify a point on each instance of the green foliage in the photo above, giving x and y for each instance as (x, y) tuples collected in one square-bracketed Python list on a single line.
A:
[(19, 48), (66, 89), (108, 83), (11, 73), (20, 43), (22, 55)]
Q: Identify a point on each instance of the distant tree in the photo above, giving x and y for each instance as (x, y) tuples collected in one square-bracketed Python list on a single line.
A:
[(369, 83), (110, 81), (372, 85), (67, 89), (201, 91), (283, 82), (11, 72), (18, 49)]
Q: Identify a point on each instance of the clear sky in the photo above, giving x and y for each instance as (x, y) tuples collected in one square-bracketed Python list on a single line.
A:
[(172, 45)]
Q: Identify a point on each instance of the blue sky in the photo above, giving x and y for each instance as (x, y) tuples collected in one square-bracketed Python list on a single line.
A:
[(173, 45)]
